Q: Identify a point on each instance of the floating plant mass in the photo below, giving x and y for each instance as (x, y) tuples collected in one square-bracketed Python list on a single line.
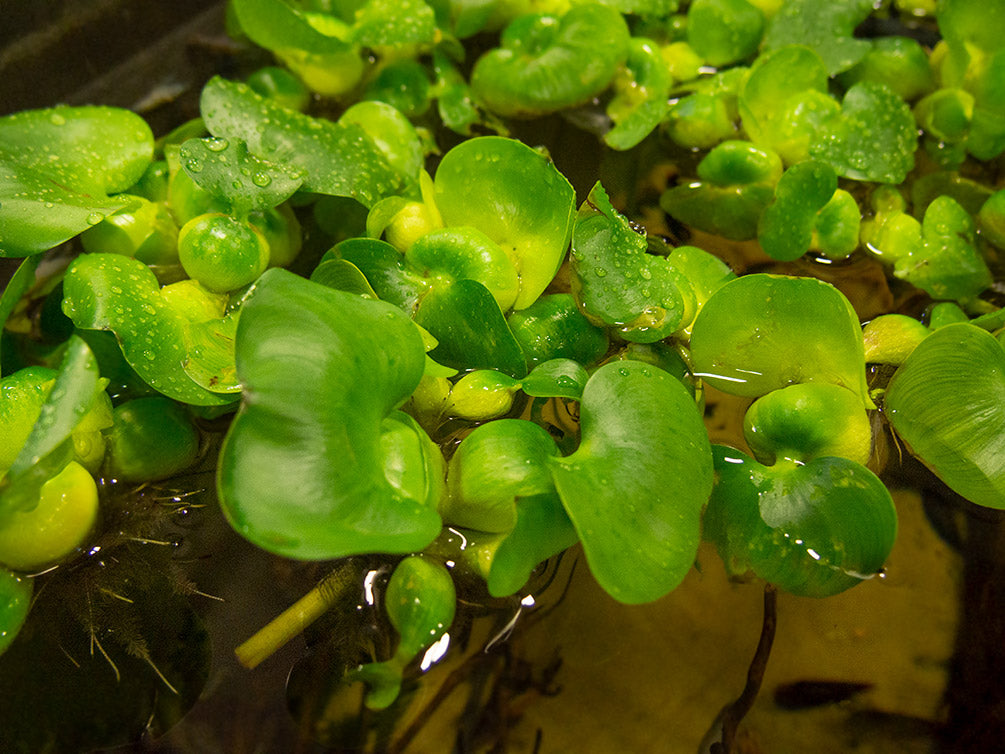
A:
[(375, 335)]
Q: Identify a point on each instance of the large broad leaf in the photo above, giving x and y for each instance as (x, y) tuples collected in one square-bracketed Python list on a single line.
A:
[(947, 402), (762, 332), (636, 486), (57, 168), (112, 292), (517, 198), (337, 158), (812, 530), (302, 470)]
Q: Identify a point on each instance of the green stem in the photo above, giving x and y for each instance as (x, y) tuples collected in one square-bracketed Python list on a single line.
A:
[(288, 624)]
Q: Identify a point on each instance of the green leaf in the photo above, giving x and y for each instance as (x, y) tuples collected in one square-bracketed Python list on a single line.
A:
[(813, 530), (826, 27), (553, 328), (472, 332), (640, 95), (210, 349), (724, 31), (394, 22), (762, 332), (784, 99), (15, 600), (947, 403), (57, 168), (18, 285), (785, 228), (874, 139), (337, 158), (49, 446), (275, 25), (636, 486), (384, 269), (226, 170), (617, 283), (111, 292), (542, 529), (321, 371), (947, 264), (523, 204), (556, 378), (497, 464), (546, 63)]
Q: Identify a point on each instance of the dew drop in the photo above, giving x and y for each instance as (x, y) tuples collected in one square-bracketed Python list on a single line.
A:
[(94, 218), (261, 179), (216, 144)]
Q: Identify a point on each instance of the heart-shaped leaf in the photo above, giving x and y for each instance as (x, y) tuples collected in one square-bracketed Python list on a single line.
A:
[(554, 328), (275, 25), (874, 138), (947, 402), (640, 99), (523, 204), (762, 332), (57, 169), (813, 530), (636, 486), (302, 471), (556, 378)]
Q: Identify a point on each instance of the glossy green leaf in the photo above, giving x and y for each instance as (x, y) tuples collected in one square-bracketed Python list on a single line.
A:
[(110, 292), (392, 132), (337, 158), (152, 438), (497, 464), (825, 27), (18, 285), (947, 264), (813, 420), (640, 97), (899, 62), (553, 328), (813, 530), (228, 172), (524, 204), (209, 347), (321, 371), (464, 253), (947, 403), (617, 283), (785, 228), (874, 138), (783, 100), (343, 275), (384, 269), (49, 446), (837, 226), (394, 22), (542, 529), (59, 166), (636, 486), (762, 332), (724, 31), (556, 378), (736, 183), (276, 25), (471, 330), (480, 395), (545, 63)]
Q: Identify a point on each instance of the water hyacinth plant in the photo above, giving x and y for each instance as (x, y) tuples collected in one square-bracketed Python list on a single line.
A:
[(406, 346)]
